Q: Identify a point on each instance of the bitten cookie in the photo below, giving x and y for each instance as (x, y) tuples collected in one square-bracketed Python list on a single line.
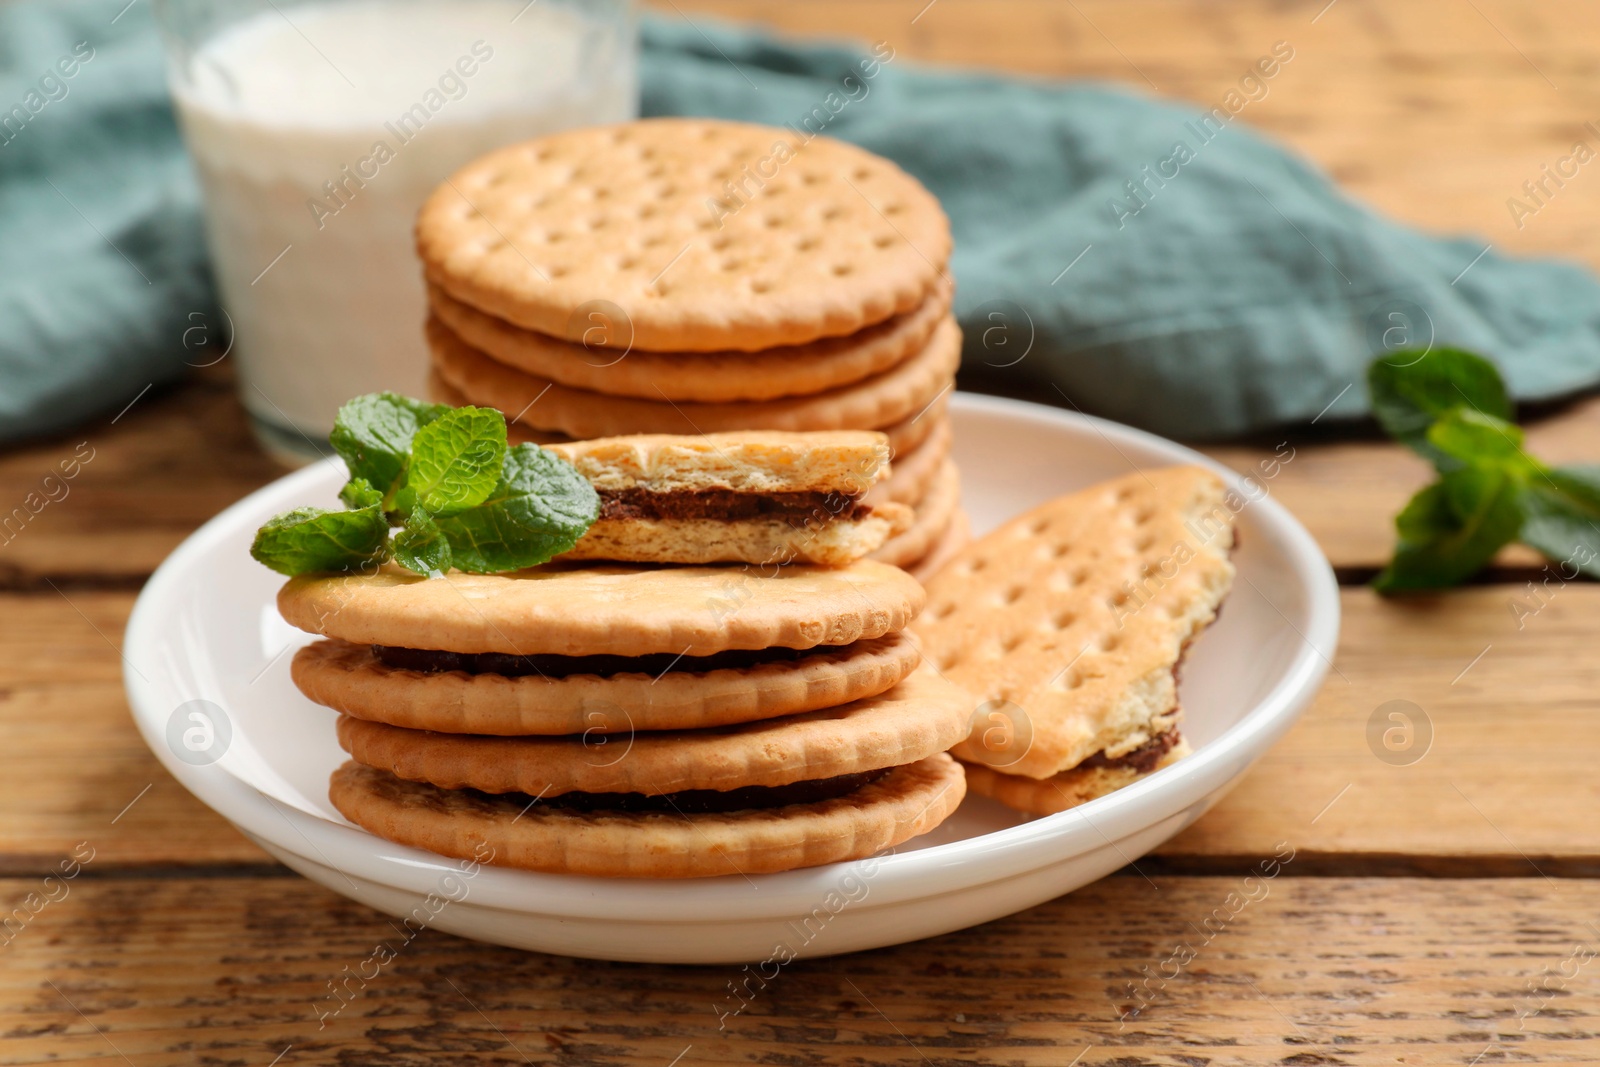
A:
[(1069, 622)]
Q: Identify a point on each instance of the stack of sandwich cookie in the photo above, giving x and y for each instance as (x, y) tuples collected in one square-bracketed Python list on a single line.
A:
[(1068, 625), (695, 276), (643, 718)]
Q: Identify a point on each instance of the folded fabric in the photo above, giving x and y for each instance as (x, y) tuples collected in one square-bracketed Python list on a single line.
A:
[(106, 286), (1156, 263)]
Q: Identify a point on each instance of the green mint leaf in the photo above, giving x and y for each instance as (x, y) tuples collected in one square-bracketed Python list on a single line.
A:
[(421, 546), (358, 493), (1411, 390), (1472, 437), (373, 433), (539, 509), (315, 539), (1451, 529), (1562, 517), (456, 460)]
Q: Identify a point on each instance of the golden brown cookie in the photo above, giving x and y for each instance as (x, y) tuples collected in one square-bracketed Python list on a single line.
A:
[(933, 514), (350, 679), (908, 801), (909, 433), (595, 609), (1059, 792), (956, 536), (1077, 613), (754, 496), (922, 715), (827, 538), (603, 363), (847, 462), (904, 436), (914, 470), (704, 234), (898, 393)]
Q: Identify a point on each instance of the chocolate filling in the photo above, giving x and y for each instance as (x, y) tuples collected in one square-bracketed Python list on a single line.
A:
[(729, 506), (1142, 760), (656, 664), (707, 801)]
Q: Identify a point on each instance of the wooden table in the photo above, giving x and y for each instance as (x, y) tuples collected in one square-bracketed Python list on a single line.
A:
[(1443, 911)]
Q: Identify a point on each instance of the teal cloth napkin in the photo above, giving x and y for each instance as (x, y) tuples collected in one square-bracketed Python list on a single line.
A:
[(1230, 288)]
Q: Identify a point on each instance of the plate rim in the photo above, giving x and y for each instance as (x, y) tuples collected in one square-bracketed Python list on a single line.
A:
[(923, 874)]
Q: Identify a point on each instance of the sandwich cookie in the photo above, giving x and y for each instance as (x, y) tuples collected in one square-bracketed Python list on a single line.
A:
[(920, 717), (754, 497), (832, 240), (607, 610), (1069, 624), (691, 843), (933, 516), (607, 364), (898, 393), (1091, 779), (555, 695), (956, 536), (914, 470), (904, 436)]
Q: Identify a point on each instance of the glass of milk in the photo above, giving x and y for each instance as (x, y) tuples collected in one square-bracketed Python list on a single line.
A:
[(319, 127)]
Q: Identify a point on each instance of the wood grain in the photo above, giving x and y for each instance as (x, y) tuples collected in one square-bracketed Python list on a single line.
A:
[(1506, 785), (1313, 971)]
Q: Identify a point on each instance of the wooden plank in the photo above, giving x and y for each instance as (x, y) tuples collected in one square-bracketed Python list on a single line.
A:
[(1348, 492), (139, 486), (1506, 689), (75, 769), (1310, 971), (1432, 111), (1507, 782)]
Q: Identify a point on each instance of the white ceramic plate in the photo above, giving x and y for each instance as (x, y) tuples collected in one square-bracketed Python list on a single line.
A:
[(205, 638)]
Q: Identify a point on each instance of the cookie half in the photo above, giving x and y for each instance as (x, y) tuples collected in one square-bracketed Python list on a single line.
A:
[(683, 694), (753, 496), (1060, 792), (904, 803), (898, 393), (605, 364), (933, 515), (616, 610), (921, 716), (1071, 620), (705, 235)]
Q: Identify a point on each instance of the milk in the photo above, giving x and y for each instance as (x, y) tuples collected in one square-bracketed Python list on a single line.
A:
[(319, 130)]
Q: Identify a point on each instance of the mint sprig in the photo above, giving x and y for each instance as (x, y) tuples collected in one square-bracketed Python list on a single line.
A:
[(445, 476), (1452, 408)]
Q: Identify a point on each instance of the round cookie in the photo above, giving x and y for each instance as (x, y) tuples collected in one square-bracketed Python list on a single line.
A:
[(794, 370), (909, 433), (898, 393), (1046, 796), (957, 535), (350, 679), (907, 801), (706, 235), (919, 717), (904, 436), (933, 517), (620, 610), (911, 473)]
